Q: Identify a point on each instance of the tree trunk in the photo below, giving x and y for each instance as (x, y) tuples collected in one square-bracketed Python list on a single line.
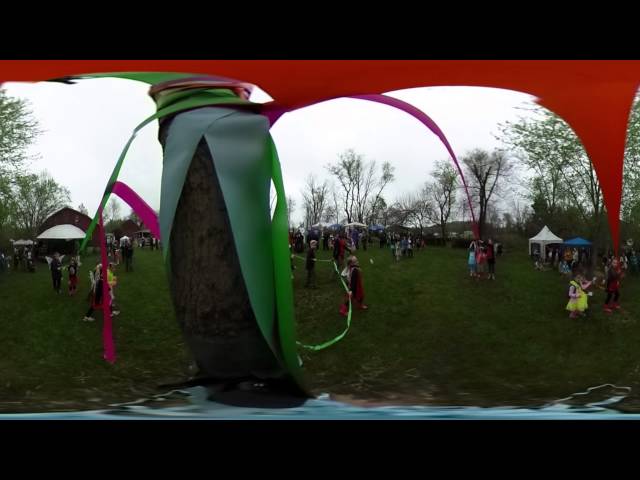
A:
[(208, 291)]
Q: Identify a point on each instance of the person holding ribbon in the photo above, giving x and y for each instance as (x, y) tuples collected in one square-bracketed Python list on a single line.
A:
[(355, 286)]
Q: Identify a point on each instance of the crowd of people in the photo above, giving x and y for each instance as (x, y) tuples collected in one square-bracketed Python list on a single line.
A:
[(118, 251), (566, 260), (343, 246), (23, 258), (574, 262), (482, 259)]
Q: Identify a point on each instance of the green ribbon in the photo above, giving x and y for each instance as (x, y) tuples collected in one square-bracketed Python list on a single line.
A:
[(282, 272), (179, 101), (324, 345), (205, 98)]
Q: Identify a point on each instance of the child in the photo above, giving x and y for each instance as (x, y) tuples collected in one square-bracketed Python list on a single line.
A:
[(354, 284), (311, 265), (73, 276), (96, 296), (481, 261), (112, 280), (614, 275), (472, 260), (578, 297)]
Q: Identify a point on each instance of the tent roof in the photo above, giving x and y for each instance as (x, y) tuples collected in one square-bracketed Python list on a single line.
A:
[(578, 241), (546, 235), (62, 232)]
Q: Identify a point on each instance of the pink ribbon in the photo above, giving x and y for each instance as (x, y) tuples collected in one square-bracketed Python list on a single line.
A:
[(273, 112), (139, 206), (107, 329)]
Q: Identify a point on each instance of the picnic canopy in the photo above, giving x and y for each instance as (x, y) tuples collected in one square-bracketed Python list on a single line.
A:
[(543, 238), (577, 242)]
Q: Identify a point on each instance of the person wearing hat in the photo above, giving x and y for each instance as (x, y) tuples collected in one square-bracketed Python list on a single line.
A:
[(311, 264)]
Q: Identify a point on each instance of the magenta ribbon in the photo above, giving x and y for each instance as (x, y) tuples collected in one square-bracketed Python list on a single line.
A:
[(139, 206), (273, 112), (107, 328), (150, 219)]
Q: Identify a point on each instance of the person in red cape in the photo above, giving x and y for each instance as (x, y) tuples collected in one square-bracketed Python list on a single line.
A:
[(355, 286), (614, 275)]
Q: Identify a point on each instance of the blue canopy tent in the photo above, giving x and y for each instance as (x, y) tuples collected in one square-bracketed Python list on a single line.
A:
[(376, 228), (577, 242)]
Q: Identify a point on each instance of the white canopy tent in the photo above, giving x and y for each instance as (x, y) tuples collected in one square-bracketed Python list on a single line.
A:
[(320, 225), (355, 224), (62, 232), (543, 238)]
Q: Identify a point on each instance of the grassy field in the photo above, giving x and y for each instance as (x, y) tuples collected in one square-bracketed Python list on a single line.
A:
[(431, 335), (52, 360)]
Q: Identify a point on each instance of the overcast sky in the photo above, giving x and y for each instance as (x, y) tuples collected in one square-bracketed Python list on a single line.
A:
[(87, 124)]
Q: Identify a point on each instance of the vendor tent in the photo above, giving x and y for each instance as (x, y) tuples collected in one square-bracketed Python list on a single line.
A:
[(543, 238)]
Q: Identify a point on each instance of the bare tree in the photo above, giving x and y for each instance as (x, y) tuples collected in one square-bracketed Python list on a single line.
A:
[(83, 209), (113, 210), (315, 199), (486, 171), (378, 210), (439, 195), (360, 186), (329, 214), (134, 218), (291, 205)]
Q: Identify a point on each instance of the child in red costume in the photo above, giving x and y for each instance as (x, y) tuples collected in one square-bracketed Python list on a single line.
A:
[(355, 286)]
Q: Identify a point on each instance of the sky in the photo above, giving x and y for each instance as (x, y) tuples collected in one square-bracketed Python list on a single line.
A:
[(86, 125)]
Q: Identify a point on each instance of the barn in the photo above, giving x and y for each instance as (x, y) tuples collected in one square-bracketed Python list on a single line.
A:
[(129, 228), (65, 218)]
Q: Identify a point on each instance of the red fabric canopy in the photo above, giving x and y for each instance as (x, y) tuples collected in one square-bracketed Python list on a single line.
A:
[(593, 96)]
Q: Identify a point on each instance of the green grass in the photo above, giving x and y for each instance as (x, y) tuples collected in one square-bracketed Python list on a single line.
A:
[(431, 335), (52, 360)]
